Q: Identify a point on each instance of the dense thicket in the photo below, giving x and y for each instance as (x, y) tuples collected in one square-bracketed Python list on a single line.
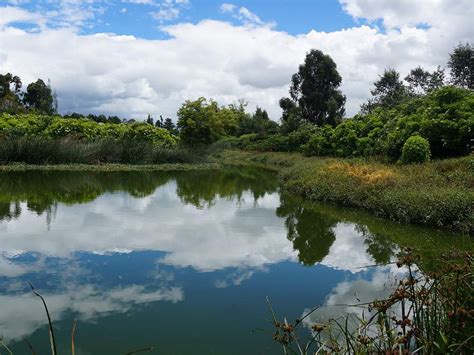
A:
[(425, 104), (435, 106)]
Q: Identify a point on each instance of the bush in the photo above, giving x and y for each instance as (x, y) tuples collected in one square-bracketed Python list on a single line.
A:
[(56, 127), (320, 143), (416, 150)]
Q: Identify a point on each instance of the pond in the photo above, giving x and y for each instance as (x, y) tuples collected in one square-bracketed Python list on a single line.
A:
[(182, 261)]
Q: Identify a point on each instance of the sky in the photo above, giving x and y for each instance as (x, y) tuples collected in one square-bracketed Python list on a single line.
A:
[(132, 58)]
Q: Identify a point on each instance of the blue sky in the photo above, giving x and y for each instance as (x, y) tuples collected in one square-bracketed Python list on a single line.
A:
[(132, 58), (136, 18)]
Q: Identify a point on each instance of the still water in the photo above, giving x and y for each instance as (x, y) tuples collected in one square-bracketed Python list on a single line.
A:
[(181, 261)]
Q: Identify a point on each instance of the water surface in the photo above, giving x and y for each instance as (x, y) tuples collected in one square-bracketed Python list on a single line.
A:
[(182, 261)]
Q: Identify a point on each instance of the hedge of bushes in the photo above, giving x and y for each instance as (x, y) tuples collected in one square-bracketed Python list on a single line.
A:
[(55, 127), (445, 118)]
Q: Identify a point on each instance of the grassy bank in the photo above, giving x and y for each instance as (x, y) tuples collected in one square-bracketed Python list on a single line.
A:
[(439, 193)]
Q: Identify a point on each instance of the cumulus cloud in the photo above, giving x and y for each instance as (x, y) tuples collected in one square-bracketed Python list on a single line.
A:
[(21, 313), (131, 77), (11, 14), (411, 13), (186, 234)]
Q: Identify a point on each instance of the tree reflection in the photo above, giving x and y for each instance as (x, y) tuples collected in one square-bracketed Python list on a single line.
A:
[(310, 230), (9, 211), (380, 247), (202, 188), (42, 190)]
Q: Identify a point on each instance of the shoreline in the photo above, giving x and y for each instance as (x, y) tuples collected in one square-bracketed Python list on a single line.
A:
[(437, 194), (18, 167)]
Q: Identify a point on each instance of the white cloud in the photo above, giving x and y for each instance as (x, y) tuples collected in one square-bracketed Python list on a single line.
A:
[(99, 227), (346, 297), (411, 13), (243, 14), (11, 14), (131, 77), (141, 2), (166, 14), (170, 10), (228, 8), (22, 314)]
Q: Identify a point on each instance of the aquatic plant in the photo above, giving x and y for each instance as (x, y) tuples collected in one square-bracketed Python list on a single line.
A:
[(430, 313)]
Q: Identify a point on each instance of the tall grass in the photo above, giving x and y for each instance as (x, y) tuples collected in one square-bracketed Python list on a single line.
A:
[(438, 194), (425, 314), (35, 150)]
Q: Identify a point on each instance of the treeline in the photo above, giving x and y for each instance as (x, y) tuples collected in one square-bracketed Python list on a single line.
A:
[(40, 98), (428, 114)]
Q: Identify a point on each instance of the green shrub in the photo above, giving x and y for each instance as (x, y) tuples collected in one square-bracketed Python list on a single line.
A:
[(416, 150), (56, 127), (301, 136), (320, 143)]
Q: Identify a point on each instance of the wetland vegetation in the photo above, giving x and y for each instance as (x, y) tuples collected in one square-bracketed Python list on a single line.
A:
[(128, 221)]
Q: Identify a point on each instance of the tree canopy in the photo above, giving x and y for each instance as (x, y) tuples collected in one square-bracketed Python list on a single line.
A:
[(461, 64), (39, 96), (315, 88)]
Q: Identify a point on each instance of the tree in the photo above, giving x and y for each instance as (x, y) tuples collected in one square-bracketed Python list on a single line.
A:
[(169, 125), (159, 122), (461, 65), (421, 82), (262, 123), (10, 100), (203, 121), (259, 123), (39, 97), (198, 122), (389, 91), (291, 118), (149, 120), (315, 88)]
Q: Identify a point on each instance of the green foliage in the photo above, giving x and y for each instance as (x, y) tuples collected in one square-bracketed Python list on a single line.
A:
[(320, 143), (55, 127), (40, 150), (315, 88), (258, 123), (291, 118), (202, 122), (421, 82), (461, 65), (415, 150), (437, 194), (39, 97), (388, 92), (10, 100), (445, 117)]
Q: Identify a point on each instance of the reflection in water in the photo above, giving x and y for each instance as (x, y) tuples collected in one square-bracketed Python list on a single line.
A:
[(156, 249), (309, 230)]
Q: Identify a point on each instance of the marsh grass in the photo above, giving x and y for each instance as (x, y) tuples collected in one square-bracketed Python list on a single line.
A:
[(437, 194), (36, 150), (425, 314)]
